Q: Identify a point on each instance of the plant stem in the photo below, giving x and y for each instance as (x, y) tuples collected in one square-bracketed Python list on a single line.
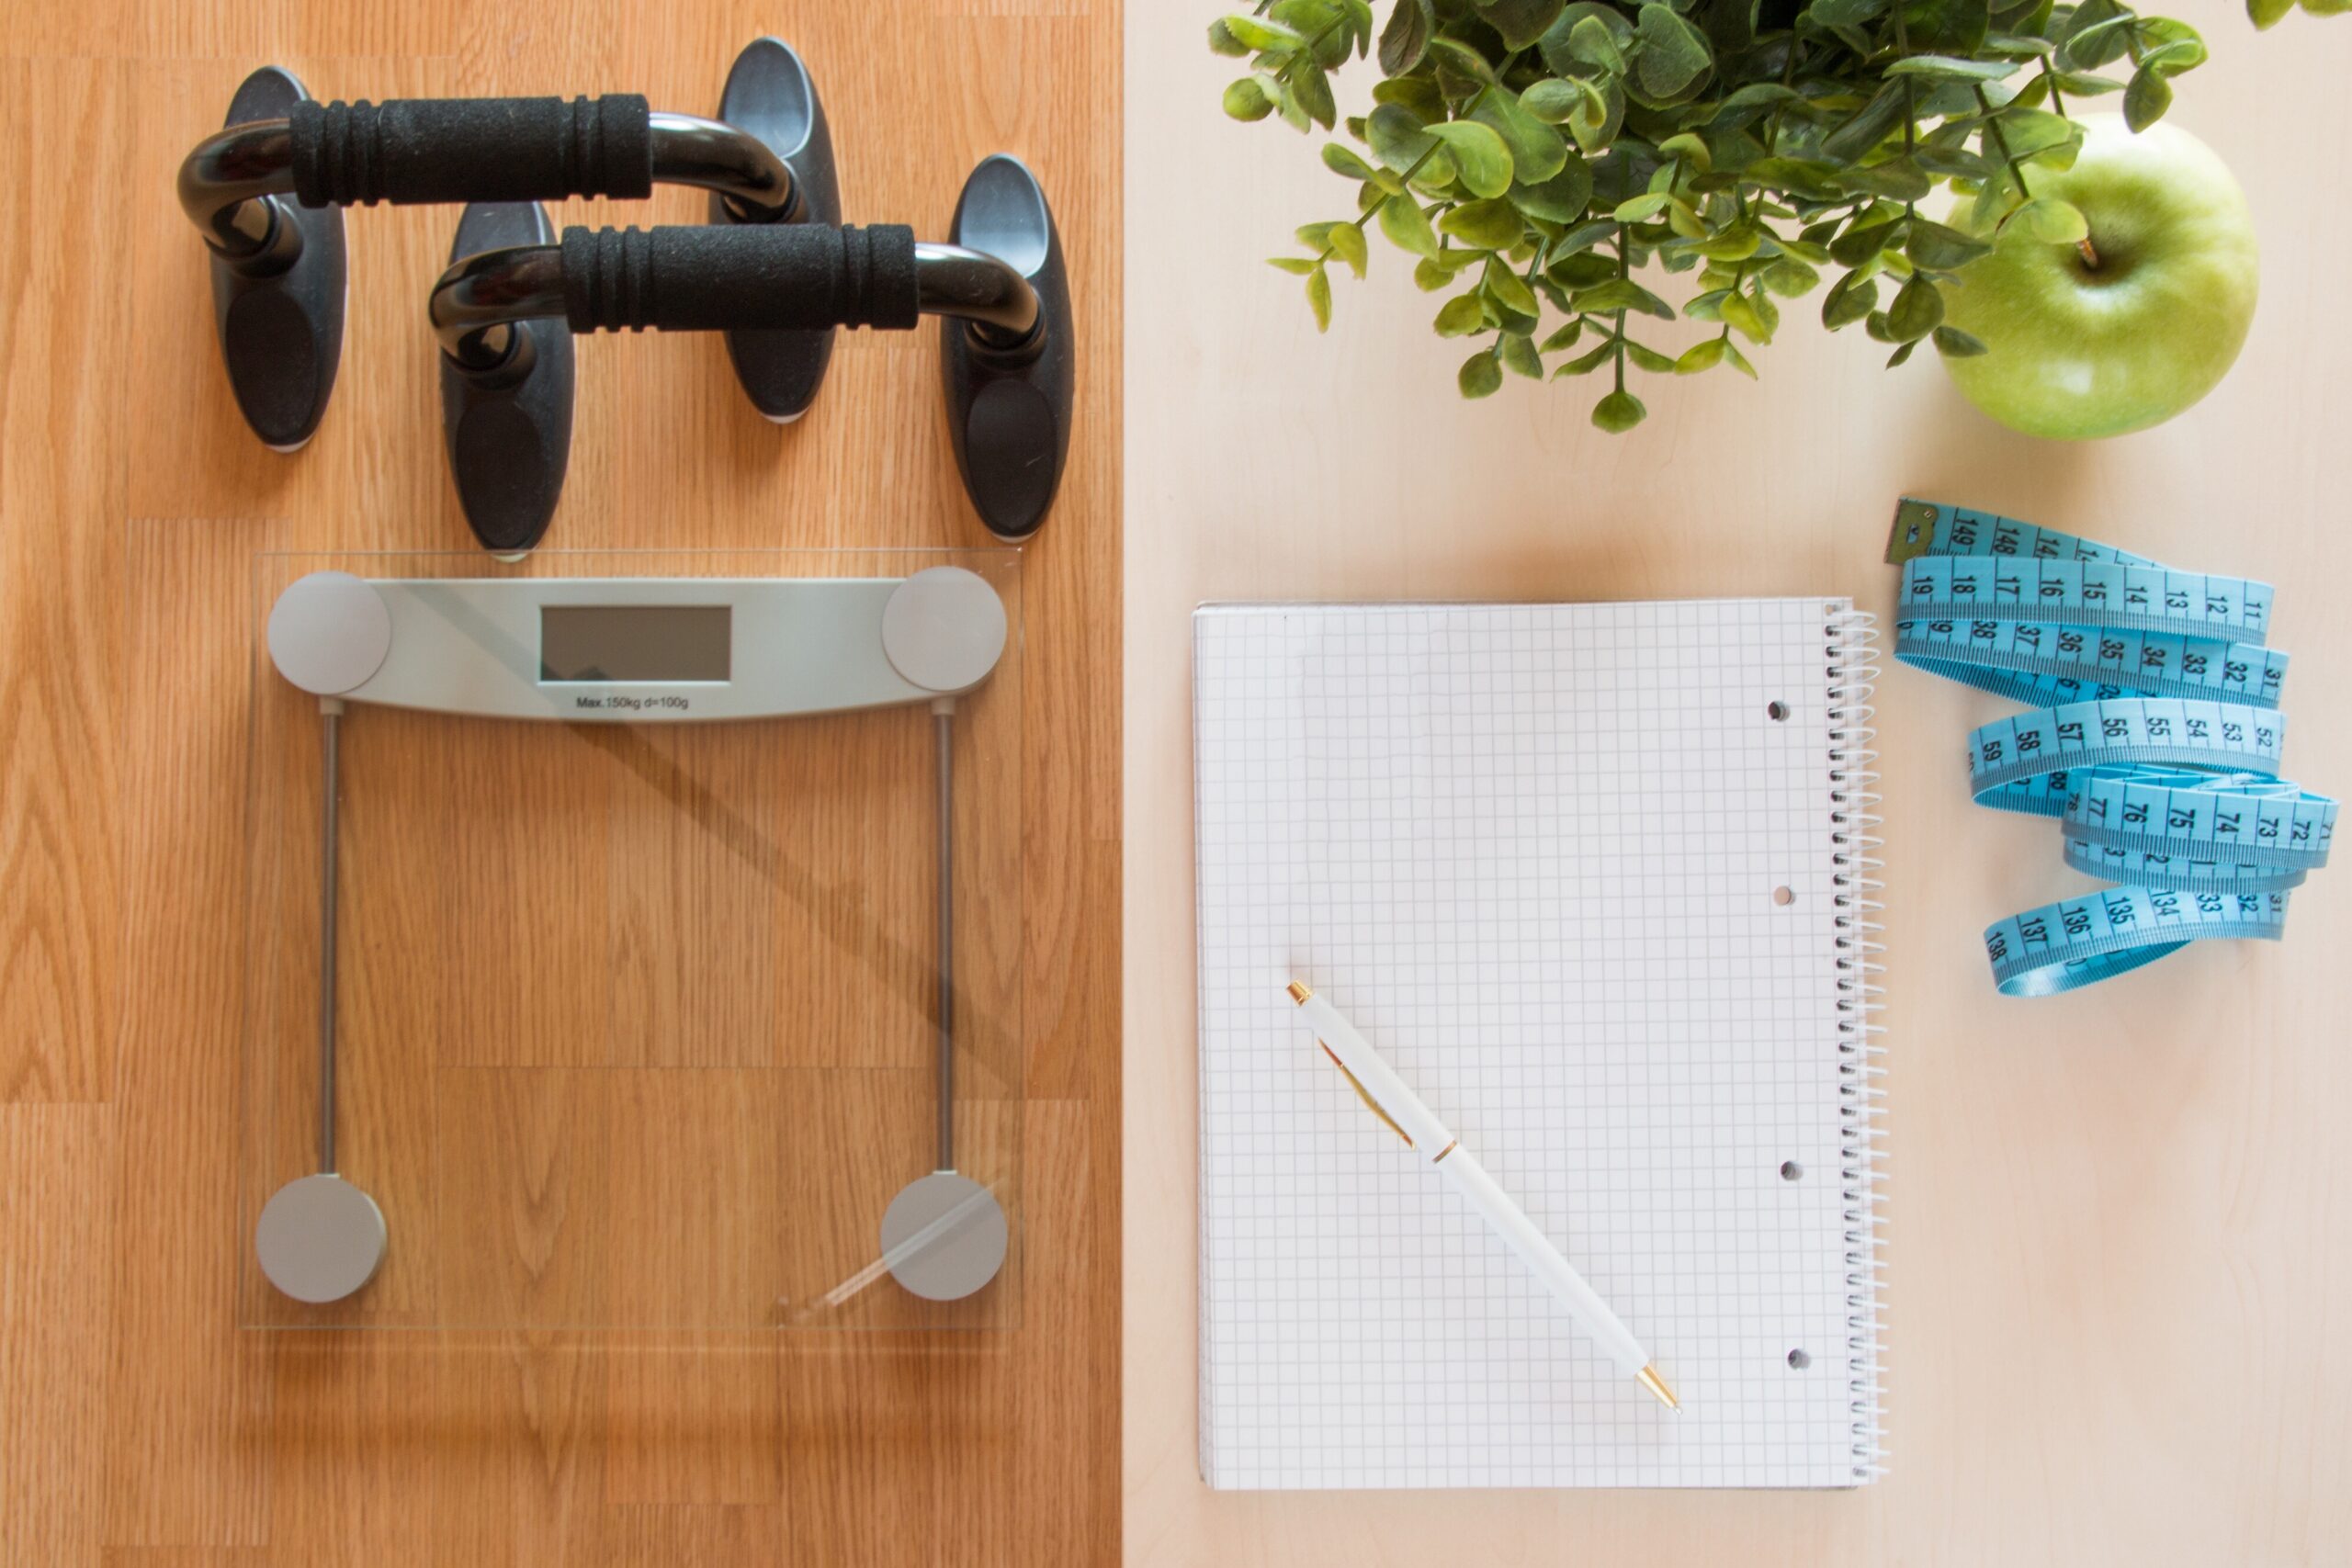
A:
[(1369, 213), (2016, 173), (1625, 275), (2057, 104)]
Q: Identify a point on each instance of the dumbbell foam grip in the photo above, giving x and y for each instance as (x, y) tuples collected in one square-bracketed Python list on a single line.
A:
[(451, 149), (803, 275)]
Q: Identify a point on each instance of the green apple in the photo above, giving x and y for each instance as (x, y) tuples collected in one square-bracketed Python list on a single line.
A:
[(2135, 324)]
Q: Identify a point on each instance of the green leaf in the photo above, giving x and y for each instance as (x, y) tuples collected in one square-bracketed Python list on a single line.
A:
[(1618, 412), (1560, 199), (1510, 291), (1641, 208), (1256, 32), (1537, 152), (2266, 13), (1520, 22), (1518, 356), (1347, 243), (1704, 355), (1953, 344), (1902, 353), (1311, 85), (1673, 54), (1941, 249), (1863, 242), (1592, 42), (1245, 99), (1844, 13), (1690, 151), (1867, 128), (1479, 156), (1341, 160), (1462, 60), (1419, 94), (1945, 68), (1595, 122), (1649, 358), (2145, 100), (1407, 36), (1479, 375), (1461, 316), (1553, 98), (1395, 137), (1789, 278), (1407, 226), (1561, 42), (1566, 338), (1802, 176), (1851, 298), (1585, 364), (2083, 85), (2175, 54), (1297, 266), (1491, 225), (1737, 360), (1318, 298), (1918, 310), (1222, 42), (2048, 219), (1738, 312), (1945, 26)]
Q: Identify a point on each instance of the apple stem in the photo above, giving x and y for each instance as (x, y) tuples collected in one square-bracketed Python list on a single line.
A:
[(2090, 255)]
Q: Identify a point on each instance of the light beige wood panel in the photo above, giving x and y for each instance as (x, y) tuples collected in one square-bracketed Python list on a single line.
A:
[(126, 834), (2119, 1262)]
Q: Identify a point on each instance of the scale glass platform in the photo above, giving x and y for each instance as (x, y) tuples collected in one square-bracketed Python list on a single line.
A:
[(620, 1002)]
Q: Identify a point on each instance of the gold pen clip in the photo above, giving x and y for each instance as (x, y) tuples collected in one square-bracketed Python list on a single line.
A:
[(1365, 1095), (1299, 994)]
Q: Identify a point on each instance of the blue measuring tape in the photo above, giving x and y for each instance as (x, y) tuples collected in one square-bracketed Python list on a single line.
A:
[(2155, 738)]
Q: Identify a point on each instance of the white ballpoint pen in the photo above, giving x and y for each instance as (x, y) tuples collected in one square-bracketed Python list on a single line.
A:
[(1387, 1094)]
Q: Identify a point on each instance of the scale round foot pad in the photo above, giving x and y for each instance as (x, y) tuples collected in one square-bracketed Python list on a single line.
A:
[(320, 1238), (944, 1236), (943, 629), (329, 632)]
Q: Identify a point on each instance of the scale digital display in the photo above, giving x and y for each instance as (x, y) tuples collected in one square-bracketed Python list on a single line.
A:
[(636, 642)]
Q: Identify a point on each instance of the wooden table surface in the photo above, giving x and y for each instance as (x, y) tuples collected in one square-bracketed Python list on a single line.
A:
[(2121, 1225), (142, 804)]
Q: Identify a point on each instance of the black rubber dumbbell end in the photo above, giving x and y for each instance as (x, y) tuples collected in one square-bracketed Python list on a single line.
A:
[(509, 433), (1009, 409), (281, 329)]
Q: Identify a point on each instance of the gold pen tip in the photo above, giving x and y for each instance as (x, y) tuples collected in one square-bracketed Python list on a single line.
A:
[(1656, 1385), (1299, 993)]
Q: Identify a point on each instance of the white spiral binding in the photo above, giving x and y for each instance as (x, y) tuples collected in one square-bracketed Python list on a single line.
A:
[(1853, 672)]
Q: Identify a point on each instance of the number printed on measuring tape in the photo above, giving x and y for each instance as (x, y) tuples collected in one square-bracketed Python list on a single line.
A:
[(2155, 736)]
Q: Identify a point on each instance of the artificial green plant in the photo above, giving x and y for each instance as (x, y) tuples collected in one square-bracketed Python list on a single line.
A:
[(1537, 154)]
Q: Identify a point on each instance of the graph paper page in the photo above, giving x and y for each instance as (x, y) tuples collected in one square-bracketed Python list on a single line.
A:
[(1535, 853)]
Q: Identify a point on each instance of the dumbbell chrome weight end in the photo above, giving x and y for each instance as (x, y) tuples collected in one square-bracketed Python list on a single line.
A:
[(280, 274), (1011, 395), (770, 95), (508, 427)]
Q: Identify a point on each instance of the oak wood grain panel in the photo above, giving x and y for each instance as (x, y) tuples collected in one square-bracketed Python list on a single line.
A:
[(62, 351), (181, 1380), (517, 1450), (55, 1161), (167, 924)]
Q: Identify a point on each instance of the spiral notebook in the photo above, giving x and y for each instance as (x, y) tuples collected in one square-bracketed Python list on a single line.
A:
[(1595, 879)]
